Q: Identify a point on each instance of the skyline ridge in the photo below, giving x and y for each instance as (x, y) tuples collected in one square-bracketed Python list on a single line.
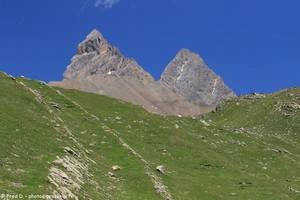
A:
[(253, 52)]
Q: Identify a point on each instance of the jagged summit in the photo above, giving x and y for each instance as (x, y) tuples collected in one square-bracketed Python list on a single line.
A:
[(188, 75), (94, 34), (187, 86), (183, 59), (187, 54), (94, 42), (96, 56)]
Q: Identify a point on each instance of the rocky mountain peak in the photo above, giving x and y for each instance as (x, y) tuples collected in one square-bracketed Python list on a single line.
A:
[(96, 56), (94, 34), (185, 61), (96, 43), (186, 54), (188, 75), (187, 86)]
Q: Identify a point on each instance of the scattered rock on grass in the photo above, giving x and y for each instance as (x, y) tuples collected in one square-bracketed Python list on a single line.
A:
[(42, 82), (116, 168), (111, 174), (293, 190), (204, 123), (256, 95), (55, 105), (11, 77), (161, 169)]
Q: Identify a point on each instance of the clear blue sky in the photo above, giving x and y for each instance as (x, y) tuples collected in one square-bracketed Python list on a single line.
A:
[(253, 44)]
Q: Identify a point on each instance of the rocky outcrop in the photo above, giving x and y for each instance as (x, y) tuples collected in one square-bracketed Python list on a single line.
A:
[(95, 56), (101, 68), (189, 76)]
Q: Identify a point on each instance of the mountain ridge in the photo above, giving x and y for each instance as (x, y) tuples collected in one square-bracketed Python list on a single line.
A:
[(101, 68)]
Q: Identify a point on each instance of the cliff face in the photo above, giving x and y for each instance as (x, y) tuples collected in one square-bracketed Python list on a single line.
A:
[(95, 56), (187, 87), (189, 76)]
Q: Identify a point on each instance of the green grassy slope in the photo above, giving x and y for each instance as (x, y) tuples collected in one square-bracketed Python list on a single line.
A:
[(248, 149)]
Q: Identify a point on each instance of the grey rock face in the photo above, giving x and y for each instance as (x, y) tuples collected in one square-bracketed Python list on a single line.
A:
[(189, 76), (96, 56), (101, 68)]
